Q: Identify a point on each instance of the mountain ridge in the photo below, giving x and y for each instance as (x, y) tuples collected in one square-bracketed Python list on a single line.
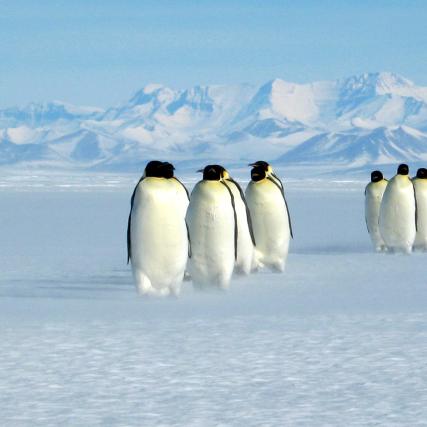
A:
[(371, 118)]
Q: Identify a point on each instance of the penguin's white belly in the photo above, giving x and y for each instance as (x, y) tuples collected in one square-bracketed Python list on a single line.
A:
[(270, 223), (397, 214), (421, 195), (210, 220), (374, 195), (245, 247), (159, 243)]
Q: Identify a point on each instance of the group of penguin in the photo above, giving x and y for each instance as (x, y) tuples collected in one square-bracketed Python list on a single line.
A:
[(207, 235), (396, 211)]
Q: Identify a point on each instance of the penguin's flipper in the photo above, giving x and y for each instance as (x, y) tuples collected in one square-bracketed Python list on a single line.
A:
[(185, 188), (129, 222), (286, 203), (248, 213), (416, 207), (236, 231), (189, 241), (289, 217), (278, 179), (128, 238), (367, 227)]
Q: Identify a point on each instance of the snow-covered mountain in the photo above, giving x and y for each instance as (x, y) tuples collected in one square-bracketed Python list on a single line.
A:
[(373, 118)]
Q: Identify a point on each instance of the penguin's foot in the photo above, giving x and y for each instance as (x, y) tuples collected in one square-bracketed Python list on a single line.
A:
[(242, 270), (175, 290), (143, 283), (145, 287), (257, 262), (154, 292), (407, 250), (278, 266)]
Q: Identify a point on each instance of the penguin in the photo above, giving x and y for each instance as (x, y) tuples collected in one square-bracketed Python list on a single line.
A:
[(270, 216), (213, 230), (245, 262), (420, 187), (373, 195), (157, 234), (398, 212)]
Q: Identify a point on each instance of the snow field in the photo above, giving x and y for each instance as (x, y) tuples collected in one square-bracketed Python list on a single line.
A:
[(339, 339)]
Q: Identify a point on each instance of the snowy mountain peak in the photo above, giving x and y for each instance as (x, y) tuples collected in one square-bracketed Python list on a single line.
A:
[(197, 98), (152, 93), (369, 84), (388, 82), (40, 114), (367, 118)]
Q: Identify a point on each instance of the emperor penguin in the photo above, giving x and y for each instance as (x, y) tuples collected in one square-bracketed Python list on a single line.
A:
[(420, 186), (213, 230), (270, 216), (157, 237), (245, 261), (374, 192), (398, 212)]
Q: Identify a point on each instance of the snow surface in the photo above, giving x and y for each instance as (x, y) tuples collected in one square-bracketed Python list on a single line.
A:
[(339, 339)]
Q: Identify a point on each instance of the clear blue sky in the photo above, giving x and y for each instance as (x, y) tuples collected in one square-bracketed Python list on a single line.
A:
[(98, 52)]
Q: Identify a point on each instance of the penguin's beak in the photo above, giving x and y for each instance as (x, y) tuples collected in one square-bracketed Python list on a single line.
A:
[(252, 164), (200, 170)]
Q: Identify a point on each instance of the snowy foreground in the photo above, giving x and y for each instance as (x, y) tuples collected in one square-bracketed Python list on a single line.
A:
[(340, 339)]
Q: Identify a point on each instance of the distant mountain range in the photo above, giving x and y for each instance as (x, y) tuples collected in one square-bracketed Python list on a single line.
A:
[(375, 118)]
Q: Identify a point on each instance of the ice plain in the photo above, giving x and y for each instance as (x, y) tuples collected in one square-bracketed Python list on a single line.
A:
[(339, 339)]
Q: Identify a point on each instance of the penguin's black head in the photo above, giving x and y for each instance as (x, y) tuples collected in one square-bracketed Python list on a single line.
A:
[(167, 170), (212, 172), (154, 169), (376, 176), (403, 169), (261, 164), (422, 173), (258, 173)]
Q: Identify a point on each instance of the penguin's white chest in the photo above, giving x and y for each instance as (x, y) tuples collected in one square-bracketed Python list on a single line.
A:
[(159, 244), (210, 219), (420, 186), (373, 198), (270, 223), (397, 214)]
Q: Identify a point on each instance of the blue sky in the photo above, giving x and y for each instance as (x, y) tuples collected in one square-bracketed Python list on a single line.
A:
[(99, 52)]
